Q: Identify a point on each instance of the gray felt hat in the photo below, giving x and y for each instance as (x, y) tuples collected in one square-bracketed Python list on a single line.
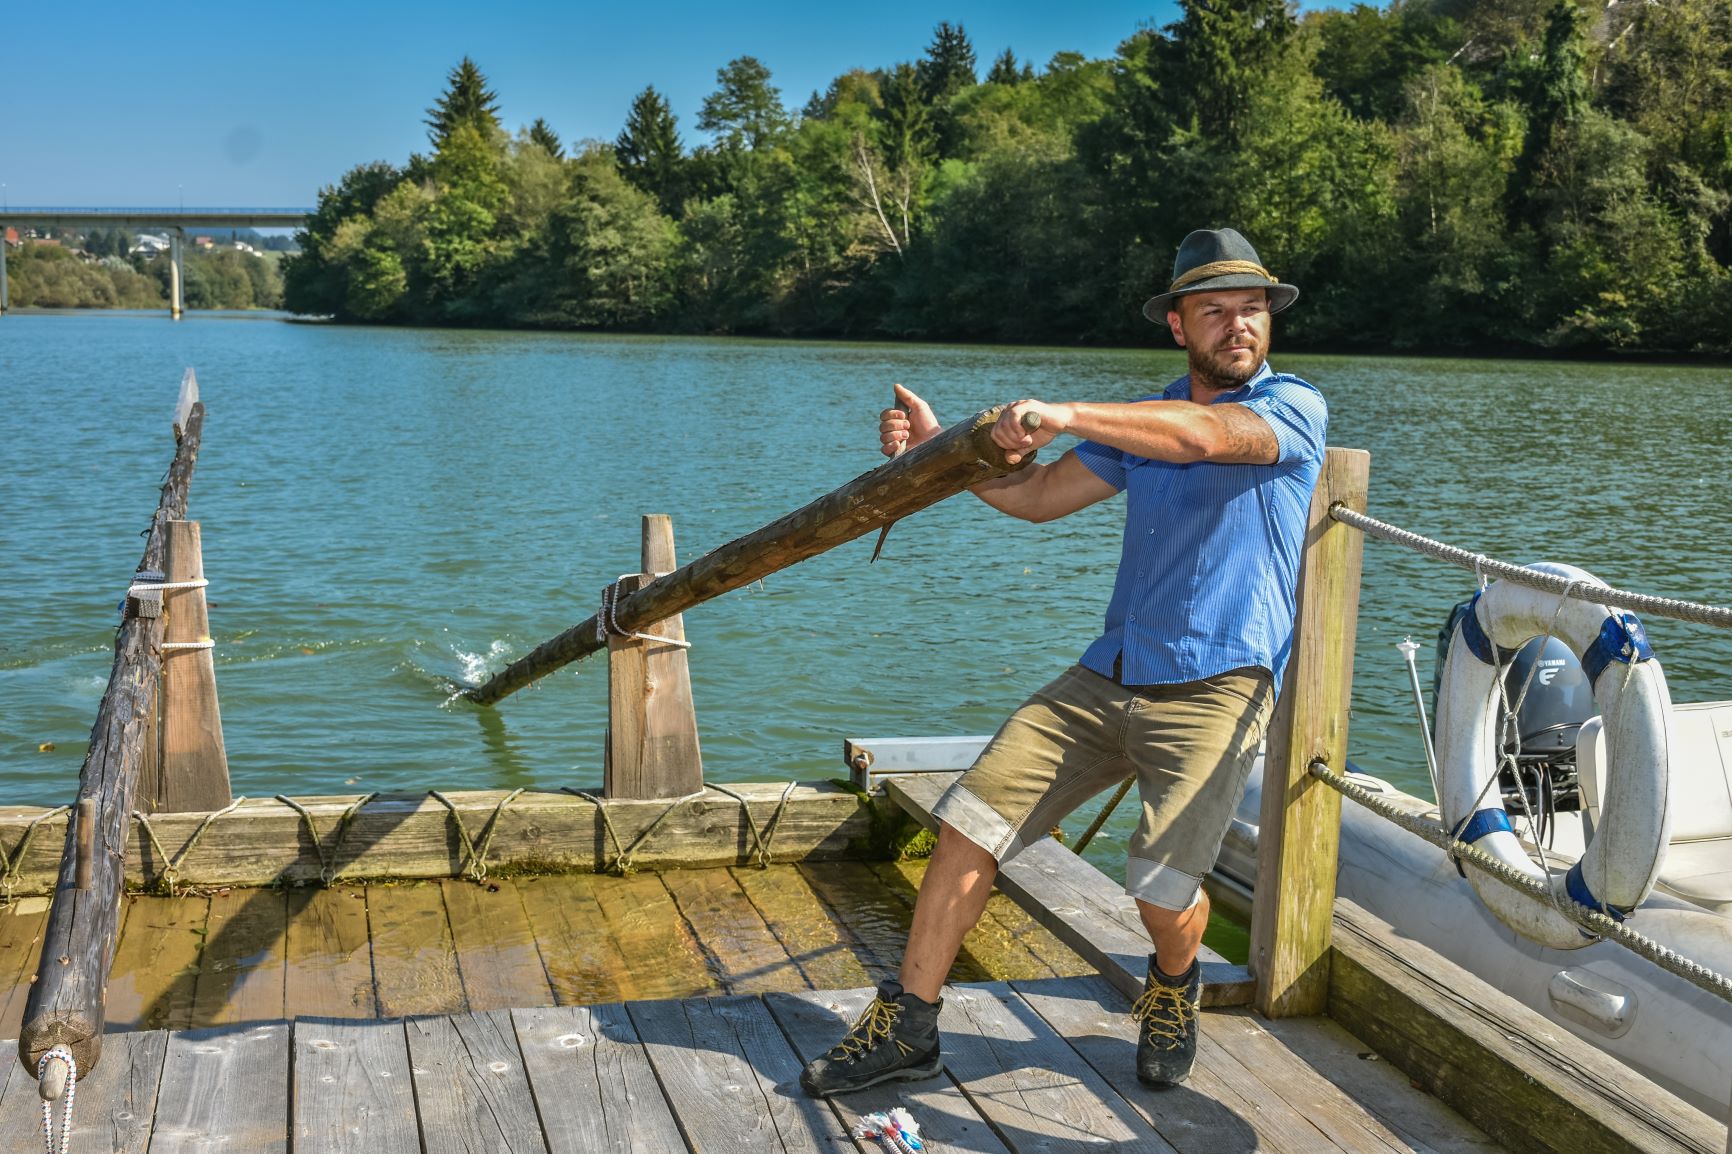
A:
[(1212, 260)]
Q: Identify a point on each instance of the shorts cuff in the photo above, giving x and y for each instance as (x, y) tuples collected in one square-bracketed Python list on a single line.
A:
[(1161, 885), (978, 822)]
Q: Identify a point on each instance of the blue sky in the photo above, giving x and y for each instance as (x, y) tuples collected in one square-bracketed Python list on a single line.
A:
[(208, 104)]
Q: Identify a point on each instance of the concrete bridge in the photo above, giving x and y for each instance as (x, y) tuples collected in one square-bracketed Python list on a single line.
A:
[(175, 221)]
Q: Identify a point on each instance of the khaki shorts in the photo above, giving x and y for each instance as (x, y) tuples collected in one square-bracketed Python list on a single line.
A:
[(1191, 747)]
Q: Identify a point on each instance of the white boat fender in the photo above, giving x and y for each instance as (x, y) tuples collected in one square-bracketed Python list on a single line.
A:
[(1618, 868)]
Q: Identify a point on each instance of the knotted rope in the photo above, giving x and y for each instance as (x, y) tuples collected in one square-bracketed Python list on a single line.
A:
[(762, 840), (65, 1144), (1716, 615), (327, 861), (475, 850), (1591, 920), (170, 873), (14, 862)]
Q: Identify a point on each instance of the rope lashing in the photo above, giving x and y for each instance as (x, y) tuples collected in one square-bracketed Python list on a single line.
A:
[(1587, 917), (624, 855), (761, 840), (328, 860), (14, 862), (1719, 616), (48, 1143), (165, 879), (138, 587), (202, 643), (475, 849), (607, 620)]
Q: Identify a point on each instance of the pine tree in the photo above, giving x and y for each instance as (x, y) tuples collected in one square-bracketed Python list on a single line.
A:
[(949, 64), (467, 100), (1218, 52), (1005, 70), (745, 111), (649, 152), (1556, 97), (541, 133)]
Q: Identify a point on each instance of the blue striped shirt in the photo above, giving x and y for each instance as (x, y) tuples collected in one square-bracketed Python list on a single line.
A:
[(1207, 580)]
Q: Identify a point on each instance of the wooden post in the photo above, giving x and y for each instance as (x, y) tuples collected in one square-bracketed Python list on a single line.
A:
[(1301, 817), (193, 770), (652, 730)]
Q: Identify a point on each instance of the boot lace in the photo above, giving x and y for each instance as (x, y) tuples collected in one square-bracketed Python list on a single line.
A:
[(1166, 1011), (872, 1027)]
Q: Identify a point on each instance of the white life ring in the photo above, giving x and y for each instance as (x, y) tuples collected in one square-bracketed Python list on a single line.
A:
[(1618, 867)]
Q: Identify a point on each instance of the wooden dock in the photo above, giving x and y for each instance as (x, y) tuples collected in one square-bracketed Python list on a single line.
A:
[(1044, 1065)]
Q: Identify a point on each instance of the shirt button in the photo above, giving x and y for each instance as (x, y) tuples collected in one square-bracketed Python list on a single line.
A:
[(1132, 617)]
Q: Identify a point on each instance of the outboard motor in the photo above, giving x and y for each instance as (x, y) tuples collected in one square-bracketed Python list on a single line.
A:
[(1559, 699)]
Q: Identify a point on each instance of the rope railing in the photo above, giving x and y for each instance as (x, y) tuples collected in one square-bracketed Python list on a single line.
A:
[(1591, 921), (1719, 616)]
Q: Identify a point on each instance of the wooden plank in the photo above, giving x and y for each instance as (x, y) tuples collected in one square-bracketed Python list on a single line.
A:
[(875, 917), (1300, 827), (1418, 1118), (263, 842), (995, 948), (353, 1090), (496, 950), (652, 727), (193, 769), (471, 1086), (20, 949), (116, 1102), (1035, 1090), (666, 960), (330, 957), (1084, 908), (1059, 958), (961, 456), (156, 966), (1347, 1123), (1524, 1082), (743, 953), (815, 1020), (1220, 1107), (65, 1005), (824, 949), (732, 1044), (414, 965), (593, 1083), (225, 1087), (584, 962), (242, 972)]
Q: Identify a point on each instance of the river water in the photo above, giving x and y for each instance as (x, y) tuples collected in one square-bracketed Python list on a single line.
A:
[(386, 511)]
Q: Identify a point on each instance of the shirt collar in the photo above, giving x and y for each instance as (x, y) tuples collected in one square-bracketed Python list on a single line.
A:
[(1180, 390)]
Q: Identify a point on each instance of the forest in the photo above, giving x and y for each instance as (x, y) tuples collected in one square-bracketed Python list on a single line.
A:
[(1437, 175)]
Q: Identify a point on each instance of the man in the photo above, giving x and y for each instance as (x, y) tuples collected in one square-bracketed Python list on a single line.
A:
[(1178, 689)]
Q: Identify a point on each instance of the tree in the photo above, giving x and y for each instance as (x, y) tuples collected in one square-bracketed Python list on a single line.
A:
[(1557, 93), (649, 151), (745, 111), (1217, 53), (1005, 70), (547, 139), (949, 65), (467, 100)]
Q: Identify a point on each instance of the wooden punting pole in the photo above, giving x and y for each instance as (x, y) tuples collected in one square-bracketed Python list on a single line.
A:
[(962, 455), (67, 1001)]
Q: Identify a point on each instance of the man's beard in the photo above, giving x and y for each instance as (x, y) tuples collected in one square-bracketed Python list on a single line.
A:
[(1214, 369)]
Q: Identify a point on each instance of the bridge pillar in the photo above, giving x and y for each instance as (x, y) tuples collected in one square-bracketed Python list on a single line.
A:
[(5, 298), (176, 272)]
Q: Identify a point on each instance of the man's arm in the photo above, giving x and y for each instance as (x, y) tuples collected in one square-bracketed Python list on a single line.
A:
[(1045, 492), (1176, 431)]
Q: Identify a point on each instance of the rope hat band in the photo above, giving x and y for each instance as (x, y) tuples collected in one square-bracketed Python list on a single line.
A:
[(1222, 268)]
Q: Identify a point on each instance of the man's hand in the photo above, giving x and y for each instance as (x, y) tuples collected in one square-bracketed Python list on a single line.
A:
[(908, 425), (1009, 434)]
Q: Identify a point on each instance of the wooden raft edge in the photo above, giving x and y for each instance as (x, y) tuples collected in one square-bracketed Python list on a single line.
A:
[(1525, 1081), (396, 835)]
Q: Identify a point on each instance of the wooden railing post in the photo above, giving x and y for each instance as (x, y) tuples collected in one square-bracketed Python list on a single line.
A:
[(1300, 826), (652, 727), (193, 769)]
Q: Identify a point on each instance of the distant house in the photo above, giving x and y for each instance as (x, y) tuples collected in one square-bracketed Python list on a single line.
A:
[(148, 245), (204, 242), (49, 241), (243, 246), (12, 237)]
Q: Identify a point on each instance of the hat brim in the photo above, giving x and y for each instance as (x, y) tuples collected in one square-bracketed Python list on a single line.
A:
[(1280, 295)]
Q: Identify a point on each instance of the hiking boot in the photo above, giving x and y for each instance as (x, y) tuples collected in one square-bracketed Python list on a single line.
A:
[(895, 1040), (1166, 1017)]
